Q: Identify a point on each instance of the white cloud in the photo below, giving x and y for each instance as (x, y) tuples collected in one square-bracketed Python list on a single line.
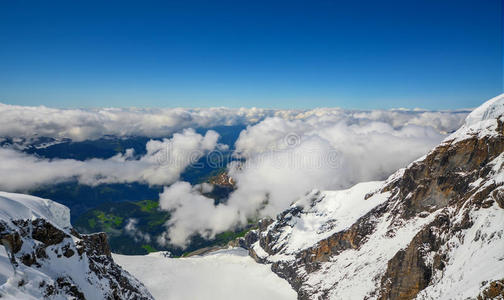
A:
[(285, 158), (193, 213), (85, 124), (132, 230), (162, 164)]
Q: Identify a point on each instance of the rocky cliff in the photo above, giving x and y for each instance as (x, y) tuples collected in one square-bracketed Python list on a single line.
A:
[(44, 258), (434, 230)]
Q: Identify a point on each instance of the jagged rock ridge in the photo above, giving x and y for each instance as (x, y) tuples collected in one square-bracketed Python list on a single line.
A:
[(44, 258), (434, 230)]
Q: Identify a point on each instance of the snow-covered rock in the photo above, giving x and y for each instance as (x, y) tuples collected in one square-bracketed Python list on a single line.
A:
[(24, 207), (483, 121), (42, 257)]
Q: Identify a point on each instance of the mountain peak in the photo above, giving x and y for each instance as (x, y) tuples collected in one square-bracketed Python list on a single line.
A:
[(485, 120), (492, 109)]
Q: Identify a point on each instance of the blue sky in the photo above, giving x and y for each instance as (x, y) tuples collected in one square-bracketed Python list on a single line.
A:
[(280, 54)]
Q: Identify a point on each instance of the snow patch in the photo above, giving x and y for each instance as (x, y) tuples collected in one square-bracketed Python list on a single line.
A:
[(225, 274), (18, 206), (324, 214), (482, 121)]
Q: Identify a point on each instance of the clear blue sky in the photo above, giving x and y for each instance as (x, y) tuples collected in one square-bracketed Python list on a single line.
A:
[(283, 54)]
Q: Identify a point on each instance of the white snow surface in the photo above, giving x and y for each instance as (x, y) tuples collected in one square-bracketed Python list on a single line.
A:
[(225, 274), (25, 207), (489, 110), (324, 213), (482, 121)]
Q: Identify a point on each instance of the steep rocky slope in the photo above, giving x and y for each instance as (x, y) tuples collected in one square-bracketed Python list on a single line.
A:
[(44, 258), (434, 230)]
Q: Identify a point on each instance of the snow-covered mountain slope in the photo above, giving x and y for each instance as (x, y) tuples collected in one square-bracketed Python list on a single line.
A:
[(44, 258), (226, 274), (434, 230)]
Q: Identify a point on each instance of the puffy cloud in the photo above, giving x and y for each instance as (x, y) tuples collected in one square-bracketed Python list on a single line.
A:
[(285, 159), (162, 164), (204, 188), (268, 182), (193, 213), (132, 230)]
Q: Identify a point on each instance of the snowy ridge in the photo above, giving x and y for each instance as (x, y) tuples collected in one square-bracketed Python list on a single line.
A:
[(44, 258), (24, 207), (322, 214), (490, 110), (483, 121), (477, 251)]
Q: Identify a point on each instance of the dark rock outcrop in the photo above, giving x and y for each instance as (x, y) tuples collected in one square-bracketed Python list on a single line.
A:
[(39, 244)]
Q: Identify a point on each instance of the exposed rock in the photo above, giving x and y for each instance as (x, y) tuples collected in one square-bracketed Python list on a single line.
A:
[(39, 244), (222, 179), (495, 290), (407, 272)]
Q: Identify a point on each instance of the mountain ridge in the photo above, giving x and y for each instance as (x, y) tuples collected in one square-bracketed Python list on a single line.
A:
[(443, 209)]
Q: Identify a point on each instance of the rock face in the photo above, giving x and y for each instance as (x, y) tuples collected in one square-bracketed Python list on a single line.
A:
[(434, 230), (44, 258), (222, 179)]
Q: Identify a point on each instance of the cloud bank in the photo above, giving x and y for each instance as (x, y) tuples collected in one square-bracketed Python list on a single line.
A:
[(162, 164), (89, 124)]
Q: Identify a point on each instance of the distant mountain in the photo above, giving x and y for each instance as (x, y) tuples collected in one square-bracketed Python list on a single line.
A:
[(434, 230), (104, 147)]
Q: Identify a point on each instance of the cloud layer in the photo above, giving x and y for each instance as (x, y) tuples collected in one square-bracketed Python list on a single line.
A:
[(82, 124), (162, 164), (85, 124)]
